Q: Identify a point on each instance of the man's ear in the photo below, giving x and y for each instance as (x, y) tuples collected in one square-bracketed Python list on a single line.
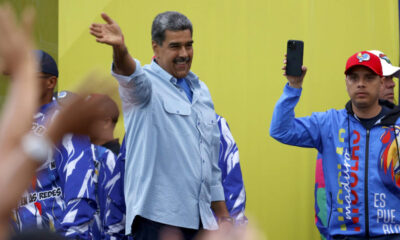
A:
[(52, 82), (156, 48)]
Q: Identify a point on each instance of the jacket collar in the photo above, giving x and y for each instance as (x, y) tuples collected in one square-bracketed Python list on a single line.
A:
[(389, 119)]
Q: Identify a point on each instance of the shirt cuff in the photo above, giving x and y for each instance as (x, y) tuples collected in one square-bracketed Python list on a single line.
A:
[(292, 91), (122, 79), (217, 193)]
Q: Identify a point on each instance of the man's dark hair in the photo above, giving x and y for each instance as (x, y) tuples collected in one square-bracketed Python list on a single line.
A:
[(172, 21)]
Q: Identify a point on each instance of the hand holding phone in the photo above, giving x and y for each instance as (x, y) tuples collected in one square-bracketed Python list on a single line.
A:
[(294, 70)]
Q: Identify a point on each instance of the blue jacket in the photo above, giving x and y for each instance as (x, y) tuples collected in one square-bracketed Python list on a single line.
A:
[(110, 217), (361, 166), (232, 180), (62, 195)]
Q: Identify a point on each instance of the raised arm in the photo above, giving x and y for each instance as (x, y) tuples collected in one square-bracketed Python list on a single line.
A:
[(110, 33), (284, 126), (18, 61)]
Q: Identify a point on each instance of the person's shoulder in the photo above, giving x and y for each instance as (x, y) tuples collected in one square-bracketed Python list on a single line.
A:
[(336, 111), (202, 85), (330, 116), (330, 113), (82, 140)]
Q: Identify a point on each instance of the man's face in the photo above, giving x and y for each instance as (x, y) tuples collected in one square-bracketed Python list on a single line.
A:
[(363, 87), (47, 84), (387, 90), (176, 53)]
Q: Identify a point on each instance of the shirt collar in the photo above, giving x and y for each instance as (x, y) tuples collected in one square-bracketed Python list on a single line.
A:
[(191, 77)]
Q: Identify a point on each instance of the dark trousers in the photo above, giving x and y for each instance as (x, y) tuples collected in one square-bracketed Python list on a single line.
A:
[(145, 229)]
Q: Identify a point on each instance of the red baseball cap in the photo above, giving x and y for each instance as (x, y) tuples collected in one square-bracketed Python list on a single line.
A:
[(367, 59)]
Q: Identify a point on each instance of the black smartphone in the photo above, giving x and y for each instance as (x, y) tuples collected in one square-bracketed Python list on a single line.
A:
[(294, 57)]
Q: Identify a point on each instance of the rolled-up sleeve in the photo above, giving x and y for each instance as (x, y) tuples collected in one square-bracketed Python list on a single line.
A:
[(135, 90)]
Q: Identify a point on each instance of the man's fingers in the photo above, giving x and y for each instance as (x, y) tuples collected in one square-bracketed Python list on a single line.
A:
[(107, 18), (304, 71), (96, 34), (96, 30), (28, 19), (96, 27), (7, 21)]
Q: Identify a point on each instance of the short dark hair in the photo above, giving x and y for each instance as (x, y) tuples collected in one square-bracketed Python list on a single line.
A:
[(173, 21)]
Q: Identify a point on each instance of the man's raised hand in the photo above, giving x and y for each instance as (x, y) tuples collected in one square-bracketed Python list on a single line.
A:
[(109, 33), (16, 41), (294, 81)]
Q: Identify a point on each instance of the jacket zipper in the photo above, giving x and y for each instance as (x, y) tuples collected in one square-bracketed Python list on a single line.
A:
[(366, 187)]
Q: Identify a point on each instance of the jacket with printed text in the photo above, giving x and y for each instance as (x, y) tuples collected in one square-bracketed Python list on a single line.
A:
[(61, 197), (361, 166)]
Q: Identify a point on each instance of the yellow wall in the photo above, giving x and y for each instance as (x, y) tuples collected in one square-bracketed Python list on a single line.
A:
[(239, 47)]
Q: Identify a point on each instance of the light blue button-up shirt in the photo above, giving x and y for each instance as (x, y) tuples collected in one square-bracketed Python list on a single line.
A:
[(172, 145)]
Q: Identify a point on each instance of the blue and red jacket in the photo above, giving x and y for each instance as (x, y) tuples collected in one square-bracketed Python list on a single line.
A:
[(62, 194), (361, 168)]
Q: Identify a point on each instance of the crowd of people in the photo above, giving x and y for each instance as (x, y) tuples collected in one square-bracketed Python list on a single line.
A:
[(75, 168), (176, 174)]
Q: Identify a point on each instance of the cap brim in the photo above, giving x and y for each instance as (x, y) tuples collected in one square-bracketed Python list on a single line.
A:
[(389, 70)]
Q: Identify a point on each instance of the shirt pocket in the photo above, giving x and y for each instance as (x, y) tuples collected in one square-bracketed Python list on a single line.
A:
[(176, 108), (176, 118)]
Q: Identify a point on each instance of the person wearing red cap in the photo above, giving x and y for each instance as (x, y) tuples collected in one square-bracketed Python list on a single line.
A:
[(358, 144), (386, 93)]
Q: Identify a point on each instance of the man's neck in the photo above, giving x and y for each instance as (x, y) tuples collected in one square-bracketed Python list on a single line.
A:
[(367, 113), (46, 99), (102, 139)]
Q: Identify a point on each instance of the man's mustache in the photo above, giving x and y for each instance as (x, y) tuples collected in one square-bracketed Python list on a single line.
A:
[(182, 59)]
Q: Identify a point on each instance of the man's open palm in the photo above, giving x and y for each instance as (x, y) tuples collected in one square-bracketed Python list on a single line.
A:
[(109, 33)]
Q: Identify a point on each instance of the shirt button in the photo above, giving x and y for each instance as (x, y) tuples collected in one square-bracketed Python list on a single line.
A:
[(204, 161), (198, 123), (177, 111)]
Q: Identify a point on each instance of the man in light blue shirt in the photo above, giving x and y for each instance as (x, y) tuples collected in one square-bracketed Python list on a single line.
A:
[(172, 137)]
